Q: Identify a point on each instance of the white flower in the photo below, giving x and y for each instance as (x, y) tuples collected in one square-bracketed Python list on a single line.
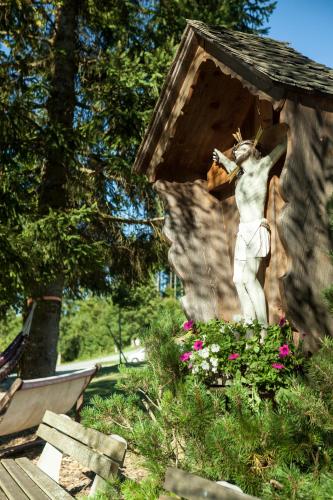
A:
[(215, 348), (205, 366), (214, 369), (204, 353), (195, 369), (214, 361)]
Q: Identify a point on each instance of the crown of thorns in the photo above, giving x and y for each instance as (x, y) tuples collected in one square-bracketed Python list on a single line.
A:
[(238, 136)]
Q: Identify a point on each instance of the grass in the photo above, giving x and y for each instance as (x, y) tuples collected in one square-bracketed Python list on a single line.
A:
[(104, 383)]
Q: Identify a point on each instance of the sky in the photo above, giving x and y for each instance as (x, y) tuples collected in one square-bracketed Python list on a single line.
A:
[(307, 25)]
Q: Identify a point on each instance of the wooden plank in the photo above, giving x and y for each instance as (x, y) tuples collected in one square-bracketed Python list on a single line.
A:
[(9, 486), (170, 91), (102, 465), (306, 186), (2, 495), (50, 487), (30, 488), (169, 125), (194, 487), (100, 442)]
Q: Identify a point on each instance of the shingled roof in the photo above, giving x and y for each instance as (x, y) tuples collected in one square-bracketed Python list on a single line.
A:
[(272, 70), (276, 60)]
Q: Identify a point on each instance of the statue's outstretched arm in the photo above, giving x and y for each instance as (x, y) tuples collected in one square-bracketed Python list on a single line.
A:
[(276, 154), (221, 159)]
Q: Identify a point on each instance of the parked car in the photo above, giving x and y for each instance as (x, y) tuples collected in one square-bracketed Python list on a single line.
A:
[(137, 356)]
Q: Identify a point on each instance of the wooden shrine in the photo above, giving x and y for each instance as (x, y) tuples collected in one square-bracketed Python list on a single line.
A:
[(222, 80)]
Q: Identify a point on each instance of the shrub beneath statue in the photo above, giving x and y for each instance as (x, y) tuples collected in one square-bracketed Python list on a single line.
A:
[(222, 353)]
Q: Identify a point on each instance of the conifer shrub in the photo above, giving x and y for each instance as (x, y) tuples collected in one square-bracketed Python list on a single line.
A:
[(171, 415)]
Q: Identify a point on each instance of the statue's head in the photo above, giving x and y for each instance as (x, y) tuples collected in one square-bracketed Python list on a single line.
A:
[(244, 150)]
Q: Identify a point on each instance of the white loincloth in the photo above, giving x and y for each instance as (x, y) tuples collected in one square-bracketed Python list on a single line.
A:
[(253, 239)]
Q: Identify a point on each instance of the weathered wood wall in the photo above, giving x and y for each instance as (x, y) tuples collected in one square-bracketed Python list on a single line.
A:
[(307, 186), (199, 250)]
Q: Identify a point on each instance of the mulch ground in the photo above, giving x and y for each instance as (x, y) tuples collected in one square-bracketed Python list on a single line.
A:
[(76, 479)]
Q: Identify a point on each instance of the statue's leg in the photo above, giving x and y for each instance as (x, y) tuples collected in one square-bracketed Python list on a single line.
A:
[(247, 306), (254, 288)]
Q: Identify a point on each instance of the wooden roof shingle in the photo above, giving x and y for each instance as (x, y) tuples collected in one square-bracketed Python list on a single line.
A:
[(273, 59)]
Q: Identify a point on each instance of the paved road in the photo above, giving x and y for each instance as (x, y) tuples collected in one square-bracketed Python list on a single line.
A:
[(81, 365)]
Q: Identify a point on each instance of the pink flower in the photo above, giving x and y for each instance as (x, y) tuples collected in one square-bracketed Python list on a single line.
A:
[(282, 321), (234, 355), (186, 356), (277, 366), (284, 351), (188, 325), (197, 346)]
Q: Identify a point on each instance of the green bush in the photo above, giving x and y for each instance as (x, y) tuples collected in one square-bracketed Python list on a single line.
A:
[(261, 359), (273, 449)]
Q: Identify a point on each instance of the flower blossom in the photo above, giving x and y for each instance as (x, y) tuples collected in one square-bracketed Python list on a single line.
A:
[(278, 366), (214, 361), (197, 346), (215, 348), (205, 366), (188, 325), (186, 356), (204, 353), (234, 355), (282, 321), (284, 351)]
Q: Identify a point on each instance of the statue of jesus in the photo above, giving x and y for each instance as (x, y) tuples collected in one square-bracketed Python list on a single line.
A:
[(253, 237)]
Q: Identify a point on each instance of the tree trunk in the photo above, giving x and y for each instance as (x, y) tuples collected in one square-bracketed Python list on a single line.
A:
[(40, 357)]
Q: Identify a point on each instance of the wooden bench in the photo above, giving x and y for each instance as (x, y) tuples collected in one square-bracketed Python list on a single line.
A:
[(194, 487), (20, 479), (25, 402)]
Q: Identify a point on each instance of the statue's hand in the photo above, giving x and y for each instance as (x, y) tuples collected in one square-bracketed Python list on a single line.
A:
[(217, 156)]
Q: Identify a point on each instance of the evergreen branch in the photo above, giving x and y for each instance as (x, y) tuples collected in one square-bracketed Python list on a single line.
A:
[(150, 413), (149, 399), (125, 220)]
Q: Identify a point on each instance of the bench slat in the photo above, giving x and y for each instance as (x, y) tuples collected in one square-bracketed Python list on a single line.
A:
[(194, 487), (10, 488), (50, 487), (107, 445), (2, 495), (100, 464), (29, 487)]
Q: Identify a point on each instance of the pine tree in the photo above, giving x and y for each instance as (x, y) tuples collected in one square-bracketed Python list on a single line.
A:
[(79, 82)]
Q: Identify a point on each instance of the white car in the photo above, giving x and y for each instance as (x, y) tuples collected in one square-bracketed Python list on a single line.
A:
[(137, 356)]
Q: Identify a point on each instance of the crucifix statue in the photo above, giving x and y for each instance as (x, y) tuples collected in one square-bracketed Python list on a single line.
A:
[(253, 238)]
